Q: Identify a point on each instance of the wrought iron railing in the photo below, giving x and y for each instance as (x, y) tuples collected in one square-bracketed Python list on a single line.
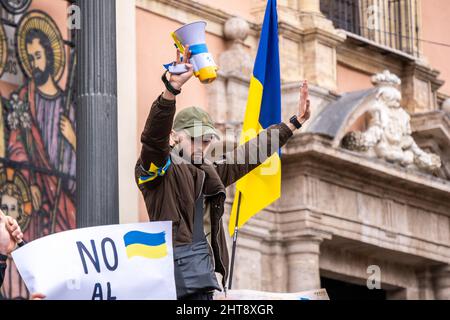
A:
[(391, 23)]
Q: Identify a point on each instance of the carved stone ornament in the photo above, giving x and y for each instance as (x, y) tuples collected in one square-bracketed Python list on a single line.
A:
[(388, 134), (236, 60)]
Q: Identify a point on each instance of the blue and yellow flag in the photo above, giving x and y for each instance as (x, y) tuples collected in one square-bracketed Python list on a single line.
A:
[(146, 245), (262, 186)]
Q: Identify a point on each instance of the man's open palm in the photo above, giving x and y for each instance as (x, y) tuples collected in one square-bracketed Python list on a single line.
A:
[(304, 112)]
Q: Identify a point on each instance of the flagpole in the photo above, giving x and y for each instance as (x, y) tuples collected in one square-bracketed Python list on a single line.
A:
[(236, 230)]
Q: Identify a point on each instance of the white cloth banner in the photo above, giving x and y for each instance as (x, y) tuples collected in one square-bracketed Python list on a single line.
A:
[(320, 294), (118, 262)]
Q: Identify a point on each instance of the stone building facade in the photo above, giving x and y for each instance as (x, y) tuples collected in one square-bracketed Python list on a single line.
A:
[(365, 190)]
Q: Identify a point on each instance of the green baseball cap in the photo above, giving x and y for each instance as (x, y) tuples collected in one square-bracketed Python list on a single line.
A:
[(196, 122)]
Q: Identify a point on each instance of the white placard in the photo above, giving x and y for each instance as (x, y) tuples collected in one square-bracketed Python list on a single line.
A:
[(118, 262), (320, 294)]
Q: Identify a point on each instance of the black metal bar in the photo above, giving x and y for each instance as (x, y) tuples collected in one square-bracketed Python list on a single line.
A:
[(400, 25), (364, 17), (339, 15), (379, 16), (8, 22), (354, 16), (235, 236), (416, 22), (390, 23), (348, 25), (396, 26), (28, 166), (385, 23), (408, 4)]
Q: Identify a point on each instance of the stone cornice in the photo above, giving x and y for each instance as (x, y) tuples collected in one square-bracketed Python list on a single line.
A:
[(421, 248), (177, 9), (432, 119), (315, 153), (425, 73), (190, 6), (219, 17), (315, 91), (369, 57), (323, 35), (442, 97), (366, 61)]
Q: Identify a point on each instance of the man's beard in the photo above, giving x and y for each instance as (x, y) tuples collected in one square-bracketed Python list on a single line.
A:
[(40, 77), (197, 158), (194, 158)]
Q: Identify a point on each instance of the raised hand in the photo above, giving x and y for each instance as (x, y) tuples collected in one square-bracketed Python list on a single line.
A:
[(14, 229), (178, 80), (7, 240), (304, 112)]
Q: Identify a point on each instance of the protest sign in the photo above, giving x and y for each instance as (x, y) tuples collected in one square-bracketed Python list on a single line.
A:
[(118, 262), (320, 294)]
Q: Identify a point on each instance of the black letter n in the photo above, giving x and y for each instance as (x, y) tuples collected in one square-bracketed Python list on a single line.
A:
[(94, 259)]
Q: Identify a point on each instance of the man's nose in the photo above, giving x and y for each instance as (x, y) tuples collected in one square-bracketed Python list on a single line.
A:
[(198, 149)]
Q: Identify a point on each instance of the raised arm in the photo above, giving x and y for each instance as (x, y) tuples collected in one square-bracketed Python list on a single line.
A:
[(10, 235), (155, 139), (249, 156)]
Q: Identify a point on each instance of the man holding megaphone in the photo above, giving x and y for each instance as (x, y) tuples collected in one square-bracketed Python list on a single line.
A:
[(180, 186)]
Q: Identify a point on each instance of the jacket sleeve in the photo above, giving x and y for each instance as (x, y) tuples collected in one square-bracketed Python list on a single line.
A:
[(2, 271), (249, 156), (154, 159)]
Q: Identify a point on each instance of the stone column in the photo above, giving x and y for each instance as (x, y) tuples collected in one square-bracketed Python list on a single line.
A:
[(127, 110), (425, 284), (320, 40), (441, 279), (420, 84), (303, 263), (97, 156), (228, 94), (309, 6)]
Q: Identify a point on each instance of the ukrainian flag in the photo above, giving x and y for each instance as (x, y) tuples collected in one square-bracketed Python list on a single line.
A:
[(262, 186), (146, 245)]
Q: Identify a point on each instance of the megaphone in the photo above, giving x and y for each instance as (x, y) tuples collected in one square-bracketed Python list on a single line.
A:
[(194, 35)]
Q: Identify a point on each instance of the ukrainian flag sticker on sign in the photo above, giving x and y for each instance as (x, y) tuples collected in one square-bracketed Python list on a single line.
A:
[(145, 245)]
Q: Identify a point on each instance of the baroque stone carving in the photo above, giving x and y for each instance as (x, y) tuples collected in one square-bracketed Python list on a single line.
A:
[(388, 135)]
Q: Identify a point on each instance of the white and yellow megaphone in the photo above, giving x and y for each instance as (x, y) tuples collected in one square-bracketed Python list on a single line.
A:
[(194, 35)]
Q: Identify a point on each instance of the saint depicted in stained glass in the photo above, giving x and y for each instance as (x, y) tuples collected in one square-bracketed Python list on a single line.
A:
[(43, 131), (39, 130)]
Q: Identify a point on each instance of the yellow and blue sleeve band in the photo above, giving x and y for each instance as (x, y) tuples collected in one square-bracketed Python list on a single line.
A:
[(154, 172)]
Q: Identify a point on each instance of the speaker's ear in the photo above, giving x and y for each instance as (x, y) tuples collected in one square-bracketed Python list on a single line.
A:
[(174, 139)]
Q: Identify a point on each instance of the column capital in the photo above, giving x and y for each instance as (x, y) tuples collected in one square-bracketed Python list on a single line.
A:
[(305, 237)]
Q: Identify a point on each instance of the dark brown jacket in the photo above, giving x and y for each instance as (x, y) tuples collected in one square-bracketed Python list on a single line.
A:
[(171, 195)]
